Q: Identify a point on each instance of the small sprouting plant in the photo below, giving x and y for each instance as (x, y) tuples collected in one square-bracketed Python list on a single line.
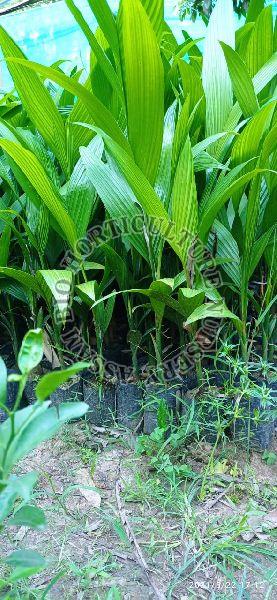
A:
[(270, 458), (21, 432)]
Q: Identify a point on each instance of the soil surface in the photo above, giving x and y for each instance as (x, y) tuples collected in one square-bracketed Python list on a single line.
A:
[(117, 529)]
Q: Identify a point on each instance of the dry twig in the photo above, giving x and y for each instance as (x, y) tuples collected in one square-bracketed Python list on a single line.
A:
[(211, 503), (132, 538)]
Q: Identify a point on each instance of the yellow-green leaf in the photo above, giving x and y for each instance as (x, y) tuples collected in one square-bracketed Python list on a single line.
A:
[(144, 85), (101, 116), (36, 100), (87, 292), (36, 175), (184, 200), (100, 55), (215, 76), (106, 21), (260, 45), (241, 80), (155, 11), (56, 284)]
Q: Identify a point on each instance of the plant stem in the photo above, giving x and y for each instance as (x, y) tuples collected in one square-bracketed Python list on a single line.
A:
[(160, 372)]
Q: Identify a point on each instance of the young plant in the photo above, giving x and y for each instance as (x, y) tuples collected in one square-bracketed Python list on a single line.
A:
[(21, 432), (102, 313), (181, 142)]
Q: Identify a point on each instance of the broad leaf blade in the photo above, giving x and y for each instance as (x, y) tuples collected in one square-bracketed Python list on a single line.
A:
[(106, 21), (45, 423), (17, 487), (87, 292), (215, 76), (248, 143), (25, 279), (144, 86), (163, 288), (28, 516), (260, 45), (100, 115), (31, 351), (184, 200), (215, 311), (56, 284), (258, 249), (81, 196), (118, 267), (190, 299), (100, 55), (145, 194), (242, 82), (51, 381), (226, 247), (26, 563), (224, 190), (155, 12), (36, 175), (118, 200), (254, 9), (36, 100)]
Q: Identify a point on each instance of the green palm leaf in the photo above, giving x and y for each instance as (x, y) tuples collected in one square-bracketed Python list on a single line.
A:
[(254, 9), (106, 21), (215, 311), (56, 285), (260, 45), (25, 279), (144, 85), (36, 100), (225, 188), (155, 12), (118, 200), (101, 57), (241, 80), (216, 80), (36, 175), (184, 200), (144, 193), (100, 115)]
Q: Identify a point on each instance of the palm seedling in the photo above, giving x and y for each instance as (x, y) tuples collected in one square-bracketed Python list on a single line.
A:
[(158, 135)]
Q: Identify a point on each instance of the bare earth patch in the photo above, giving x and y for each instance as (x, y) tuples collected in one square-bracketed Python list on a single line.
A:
[(114, 526)]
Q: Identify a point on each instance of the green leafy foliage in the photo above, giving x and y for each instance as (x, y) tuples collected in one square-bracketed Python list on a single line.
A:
[(37, 100), (157, 167), (51, 381), (242, 82), (138, 219), (143, 82), (31, 351), (28, 516), (21, 432), (25, 563), (216, 80)]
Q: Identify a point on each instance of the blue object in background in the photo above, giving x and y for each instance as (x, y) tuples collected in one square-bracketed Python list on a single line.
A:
[(48, 32)]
